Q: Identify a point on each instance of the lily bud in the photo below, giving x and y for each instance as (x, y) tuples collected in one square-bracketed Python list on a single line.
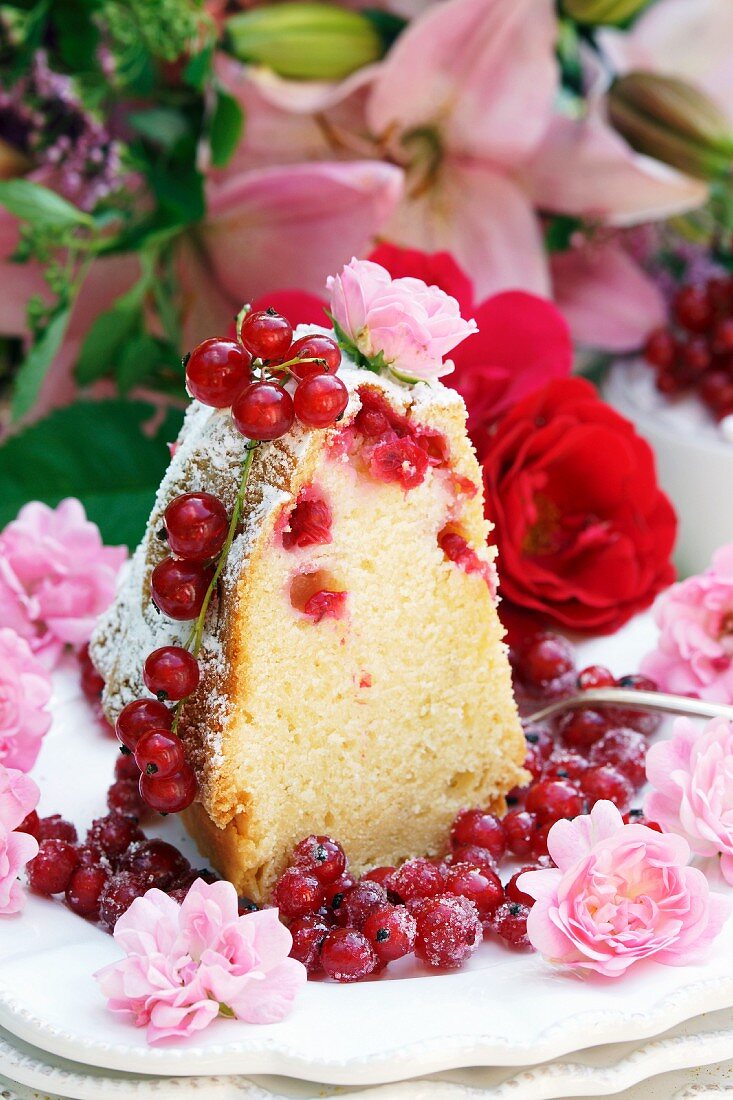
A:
[(674, 122), (303, 40), (602, 12)]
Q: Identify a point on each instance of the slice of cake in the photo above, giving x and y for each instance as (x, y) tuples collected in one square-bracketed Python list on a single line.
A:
[(353, 675)]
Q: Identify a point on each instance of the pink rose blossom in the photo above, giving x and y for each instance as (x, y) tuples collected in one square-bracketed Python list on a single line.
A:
[(18, 796), (411, 325), (56, 576), (619, 894), (692, 777), (694, 654), (25, 689), (185, 964)]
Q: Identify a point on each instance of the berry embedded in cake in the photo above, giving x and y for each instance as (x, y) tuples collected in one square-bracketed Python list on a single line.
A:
[(350, 677)]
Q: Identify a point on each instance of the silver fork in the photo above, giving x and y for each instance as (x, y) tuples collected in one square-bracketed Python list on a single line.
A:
[(636, 700)]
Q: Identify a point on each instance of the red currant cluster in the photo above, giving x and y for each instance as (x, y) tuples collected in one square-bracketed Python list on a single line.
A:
[(695, 351), (249, 376), (101, 877), (440, 908)]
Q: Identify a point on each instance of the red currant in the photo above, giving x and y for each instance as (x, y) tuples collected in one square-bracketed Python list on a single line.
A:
[(55, 827), (391, 932), (323, 349), (50, 871), (320, 856), (660, 349), (510, 924), (171, 793), (123, 797), (607, 782), (92, 683), (112, 835), (519, 828), (335, 892), (625, 750), (216, 371), (117, 896), (552, 799), (309, 524), (399, 460), (171, 672), (448, 930), (480, 828), (155, 862), (382, 875), (692, 309), (83, 894), (320, 400), (360, 902), (178, 588), (595, 676), (159, 753), (513, 892), (565, 765), (637, 817), (471, 853), (538, 848), (541, 738), (138, 718), (723, 336), (297, 893), (30, 824), (266, 334), (582, 728), (196, 525), (263, 411), (347, 955), (544, 659), (478, 884), (126, 768), (308, 934), (418, 878)]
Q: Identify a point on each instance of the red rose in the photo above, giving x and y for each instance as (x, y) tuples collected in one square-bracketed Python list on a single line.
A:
[(584, 532)]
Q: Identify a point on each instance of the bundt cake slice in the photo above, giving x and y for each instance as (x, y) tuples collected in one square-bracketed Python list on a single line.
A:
[(353, 675)]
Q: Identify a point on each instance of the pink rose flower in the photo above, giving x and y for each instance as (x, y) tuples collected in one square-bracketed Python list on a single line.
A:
[(619, 894), (694, 654), (186, 964), (56, 576), (25, 689), (692, 777), (401, 323), (18, 796)]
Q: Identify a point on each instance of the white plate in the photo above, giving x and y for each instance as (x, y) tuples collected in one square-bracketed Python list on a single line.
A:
[(504, 1009)]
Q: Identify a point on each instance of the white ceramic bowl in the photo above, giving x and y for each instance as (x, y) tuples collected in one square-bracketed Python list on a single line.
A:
[(694, 459)]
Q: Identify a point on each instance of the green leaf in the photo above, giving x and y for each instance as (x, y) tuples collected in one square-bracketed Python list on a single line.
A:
[(39, 205), (34, 368), (139, 358), (106, 338), (164, 126), (389, 26), (179, 188), (198, 69), (559, 232), (97, 451), (226, 129)]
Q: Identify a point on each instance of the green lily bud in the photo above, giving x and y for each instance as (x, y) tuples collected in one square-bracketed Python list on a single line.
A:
[(674, 122), (602, 12), (304, 40)]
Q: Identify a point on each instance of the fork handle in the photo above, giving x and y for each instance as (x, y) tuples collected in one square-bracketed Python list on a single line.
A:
[(637, 700)]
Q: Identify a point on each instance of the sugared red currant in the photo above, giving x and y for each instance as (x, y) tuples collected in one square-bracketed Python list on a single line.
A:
[(509, 922), (322, 349), (363, 899), (693, 309), (625, 750), (448, 930), (50, 871), (160, 753), (478, 884), (55, 827), (540, 737), (126, 768), (471, 853), (196, 525), (30, 824), (335, 892), (266, 334), (112, 835), (418, 878), (480, 828), (171, 672), (519, 827), (216, 371), (660, 349), (606, 782), (138, 718), (117, 896), (155, 862), (171, 793), (308, 934), (320, 400), (84, 891), (582, 728), (320, 856), (123, 797), (553, 799), (595, 676), (544, 659), (263, 411), (178, 587), (565, 765), (297, 893), (391, 932), (347, 955), (513, 891)]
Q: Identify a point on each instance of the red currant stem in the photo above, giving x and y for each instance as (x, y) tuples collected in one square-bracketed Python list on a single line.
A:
[(301, 359), (246, 308), (198, 632)]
